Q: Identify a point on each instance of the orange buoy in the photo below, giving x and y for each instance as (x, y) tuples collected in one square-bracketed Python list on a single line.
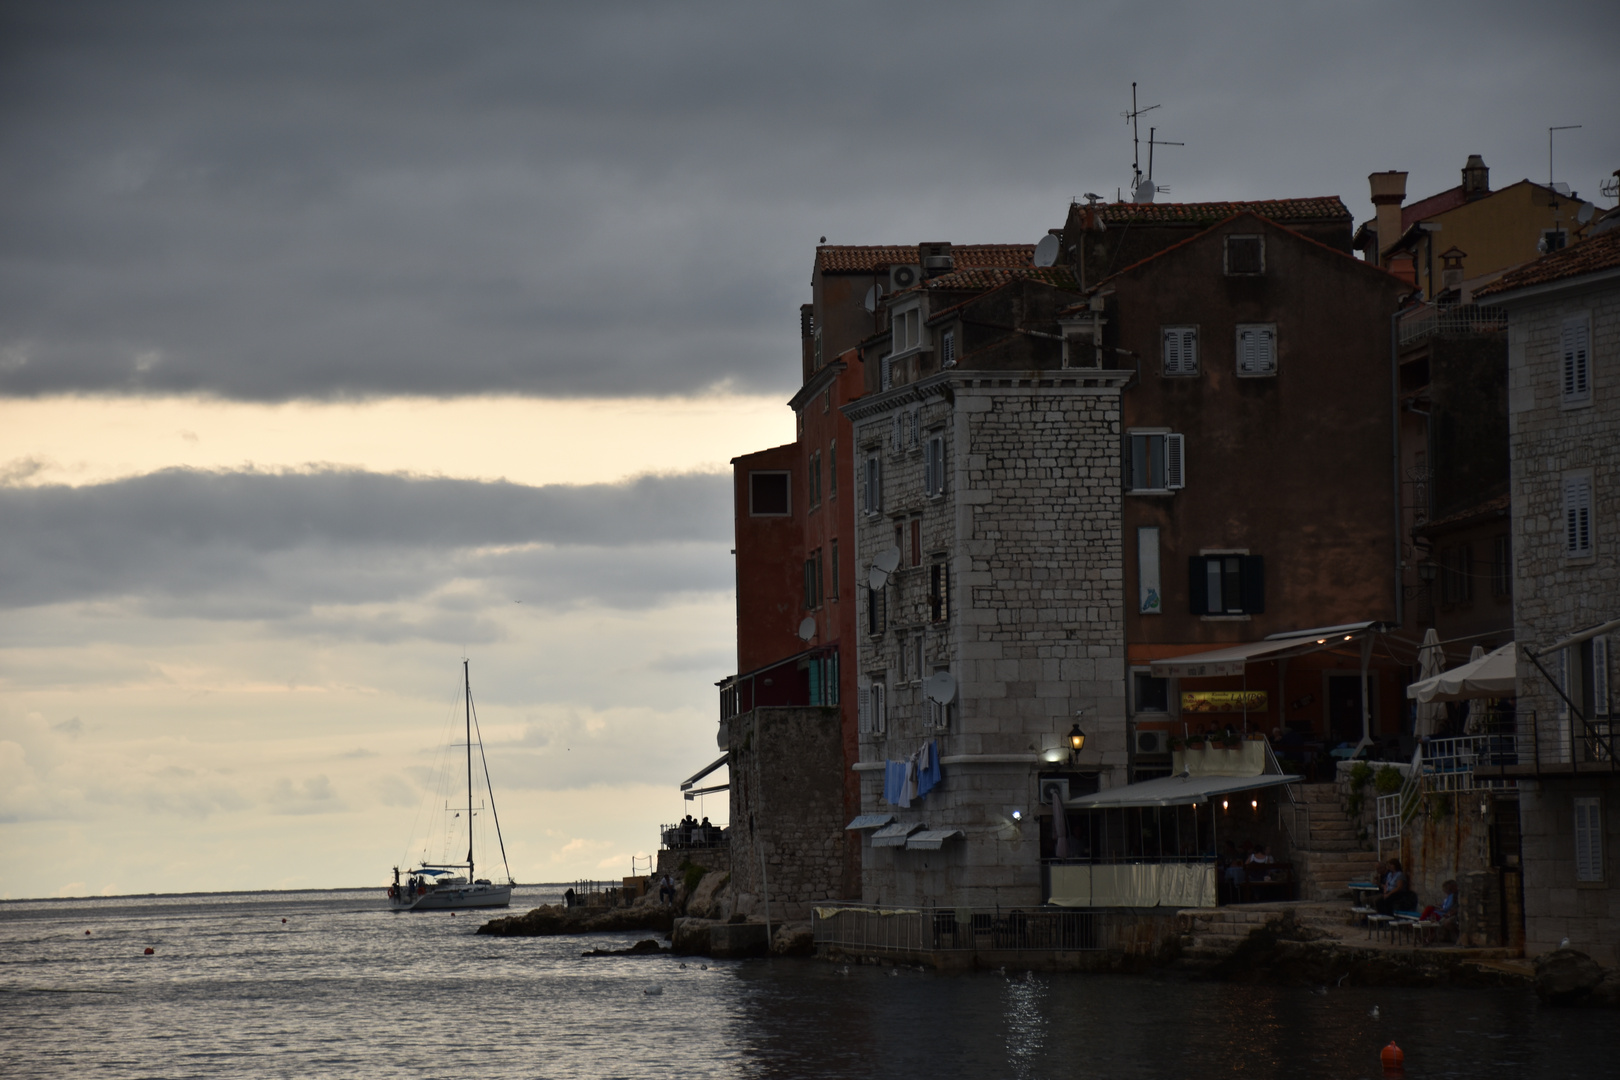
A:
[(1394, 1060), (87, 933), (150, 951), (284, 922)]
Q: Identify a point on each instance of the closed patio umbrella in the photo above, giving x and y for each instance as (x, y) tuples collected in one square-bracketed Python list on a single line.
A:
[(1431, 659), (1476, 712)]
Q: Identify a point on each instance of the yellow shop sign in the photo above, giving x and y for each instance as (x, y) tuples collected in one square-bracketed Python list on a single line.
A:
[(1214, 701)]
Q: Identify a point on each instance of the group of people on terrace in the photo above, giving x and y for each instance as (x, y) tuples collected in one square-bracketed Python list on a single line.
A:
[(693, 833)]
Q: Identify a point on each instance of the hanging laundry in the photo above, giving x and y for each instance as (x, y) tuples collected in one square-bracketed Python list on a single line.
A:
[(928, 772), (895, 776)]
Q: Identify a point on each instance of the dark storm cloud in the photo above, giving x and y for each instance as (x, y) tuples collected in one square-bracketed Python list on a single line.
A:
[(183, 543), (288, 201)]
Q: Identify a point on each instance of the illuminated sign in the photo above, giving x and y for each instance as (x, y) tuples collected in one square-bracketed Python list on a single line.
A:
[(1214, 701)]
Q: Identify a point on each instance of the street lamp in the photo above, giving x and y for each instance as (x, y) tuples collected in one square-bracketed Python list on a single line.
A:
[(1077, 742)]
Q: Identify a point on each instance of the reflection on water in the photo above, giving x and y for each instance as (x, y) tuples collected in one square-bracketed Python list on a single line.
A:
[(345, 987)]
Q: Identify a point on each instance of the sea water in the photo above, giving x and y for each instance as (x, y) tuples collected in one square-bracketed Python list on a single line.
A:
[(304, 984)]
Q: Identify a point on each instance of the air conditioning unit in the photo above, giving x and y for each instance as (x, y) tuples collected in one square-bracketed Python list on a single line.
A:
[(1152, 742), (903, 277), (1062, 787)]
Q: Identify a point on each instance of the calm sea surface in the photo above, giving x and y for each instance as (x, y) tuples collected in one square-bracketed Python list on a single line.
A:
[(344, 987)]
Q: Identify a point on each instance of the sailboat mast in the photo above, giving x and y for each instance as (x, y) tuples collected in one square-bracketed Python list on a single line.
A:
[(466, 679)]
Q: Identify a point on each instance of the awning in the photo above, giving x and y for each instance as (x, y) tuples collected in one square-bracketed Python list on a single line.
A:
[(1178, 791), (869, 821), (1232, 659), (701, 773), (1491, 676), (932, 839), (895, 835)]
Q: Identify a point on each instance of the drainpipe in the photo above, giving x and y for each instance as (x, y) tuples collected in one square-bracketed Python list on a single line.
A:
[(1395, 458)]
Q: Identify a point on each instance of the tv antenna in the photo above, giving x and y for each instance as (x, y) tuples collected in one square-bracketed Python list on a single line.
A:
[(1550, 130), (1137, 179), (1152, 142)]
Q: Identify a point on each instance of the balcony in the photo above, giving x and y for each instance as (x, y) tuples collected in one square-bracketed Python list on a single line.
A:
[(808, 678), (1429, 321)]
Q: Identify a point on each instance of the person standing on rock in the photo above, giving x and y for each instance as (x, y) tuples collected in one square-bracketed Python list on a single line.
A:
[(666, 891)]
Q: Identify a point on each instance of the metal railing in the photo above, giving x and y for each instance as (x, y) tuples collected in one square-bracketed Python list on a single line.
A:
[(1396, 809), (1462, 319), (681, 837), (1290, 813), (1449, 764), (877, 931), (1567, 739)]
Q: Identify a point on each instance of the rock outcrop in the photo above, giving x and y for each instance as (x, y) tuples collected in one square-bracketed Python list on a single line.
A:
[(1569, 977), (550, 920)]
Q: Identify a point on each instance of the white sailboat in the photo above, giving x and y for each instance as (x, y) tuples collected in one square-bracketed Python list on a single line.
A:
[(441, 886)]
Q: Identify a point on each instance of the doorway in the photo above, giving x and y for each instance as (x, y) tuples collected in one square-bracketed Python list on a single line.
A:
[(1343, 694)]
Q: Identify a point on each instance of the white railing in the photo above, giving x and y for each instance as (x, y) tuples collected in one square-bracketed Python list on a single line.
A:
[(1449, 764)]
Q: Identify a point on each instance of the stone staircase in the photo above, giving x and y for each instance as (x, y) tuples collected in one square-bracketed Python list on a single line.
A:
[(1335, 853)]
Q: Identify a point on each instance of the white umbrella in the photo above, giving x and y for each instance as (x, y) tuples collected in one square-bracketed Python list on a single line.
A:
[(1492, 676), (1476, 714), (1430, 660)]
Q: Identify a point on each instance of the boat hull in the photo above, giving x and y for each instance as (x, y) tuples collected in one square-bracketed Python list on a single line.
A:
[(458, 898)]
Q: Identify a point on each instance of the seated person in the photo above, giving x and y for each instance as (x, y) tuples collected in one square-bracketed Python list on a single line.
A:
[(1397, 891), (1446, 913), (1259, 862)]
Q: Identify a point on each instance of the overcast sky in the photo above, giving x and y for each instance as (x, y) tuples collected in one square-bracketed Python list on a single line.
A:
[(330, 335)]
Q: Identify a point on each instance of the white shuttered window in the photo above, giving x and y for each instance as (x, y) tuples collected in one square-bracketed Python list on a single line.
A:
[(1588, 838), (1578, 515), (934, 467), (1181, 350), (1600, 677), (873, 495), (1257, 350), (1577, 369)]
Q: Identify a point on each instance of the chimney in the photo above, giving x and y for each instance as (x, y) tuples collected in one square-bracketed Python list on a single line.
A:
[(1476, 178), (1388, 192), (936, 258)]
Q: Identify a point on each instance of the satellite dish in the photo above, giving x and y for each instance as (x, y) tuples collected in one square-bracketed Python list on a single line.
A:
[(885, 564), (1584, 214), (940, 687), (873, 295), (1144, 192), (807, 628), (1046, 252)]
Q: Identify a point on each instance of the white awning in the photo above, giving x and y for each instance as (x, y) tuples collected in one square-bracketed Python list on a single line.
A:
[(869, 821), (701, 773), (1491, 676), (895, 835), (1178, 791), (1232, 659), (932, 839)]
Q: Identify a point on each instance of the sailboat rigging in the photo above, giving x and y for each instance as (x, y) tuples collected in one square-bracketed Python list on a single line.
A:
[(437, 886)]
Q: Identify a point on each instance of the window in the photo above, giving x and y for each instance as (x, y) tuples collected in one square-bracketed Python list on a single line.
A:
[(885, 373), (815, 479), (768, 494), (1578, 515), (874, 611), (1583, 676), (1245, 255), (919, 645), (872, 500), (913, 428), (873, 708), (812, 580), (1502, 565), (1588, 838), (1457, 574), (832, 470), (904, 330), (1181, 350), (1577, 368), (1227, 584), (1257, 350), (939, 592), (941, 713), (934, 467), (1154, 461), (833, 590), (1553, 240), (1152, 695), (897, 432), (916, 541), (947, 349)]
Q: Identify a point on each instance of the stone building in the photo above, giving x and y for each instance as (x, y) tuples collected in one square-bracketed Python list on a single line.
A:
[(989, 559), (1564, 407)]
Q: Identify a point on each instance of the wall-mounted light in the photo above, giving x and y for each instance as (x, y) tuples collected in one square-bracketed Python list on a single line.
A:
[(1077, 740), (1018, 815), (1225, 805), (1254, 804)]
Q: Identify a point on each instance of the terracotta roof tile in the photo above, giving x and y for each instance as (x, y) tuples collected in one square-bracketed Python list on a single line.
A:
[(990, 277), (1329, 207), (851, 259), (1601, 252), (1497, 506), (1424, 209)]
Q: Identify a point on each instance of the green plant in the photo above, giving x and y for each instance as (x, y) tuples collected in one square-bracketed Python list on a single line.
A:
[(1388, 780), (1195, 741), (1177, 742), (1360, 774), (694, 874)]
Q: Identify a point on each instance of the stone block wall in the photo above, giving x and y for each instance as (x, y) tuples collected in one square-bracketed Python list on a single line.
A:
[(1027, 531), (787, 813), (1556, 906), (1554, 595)]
